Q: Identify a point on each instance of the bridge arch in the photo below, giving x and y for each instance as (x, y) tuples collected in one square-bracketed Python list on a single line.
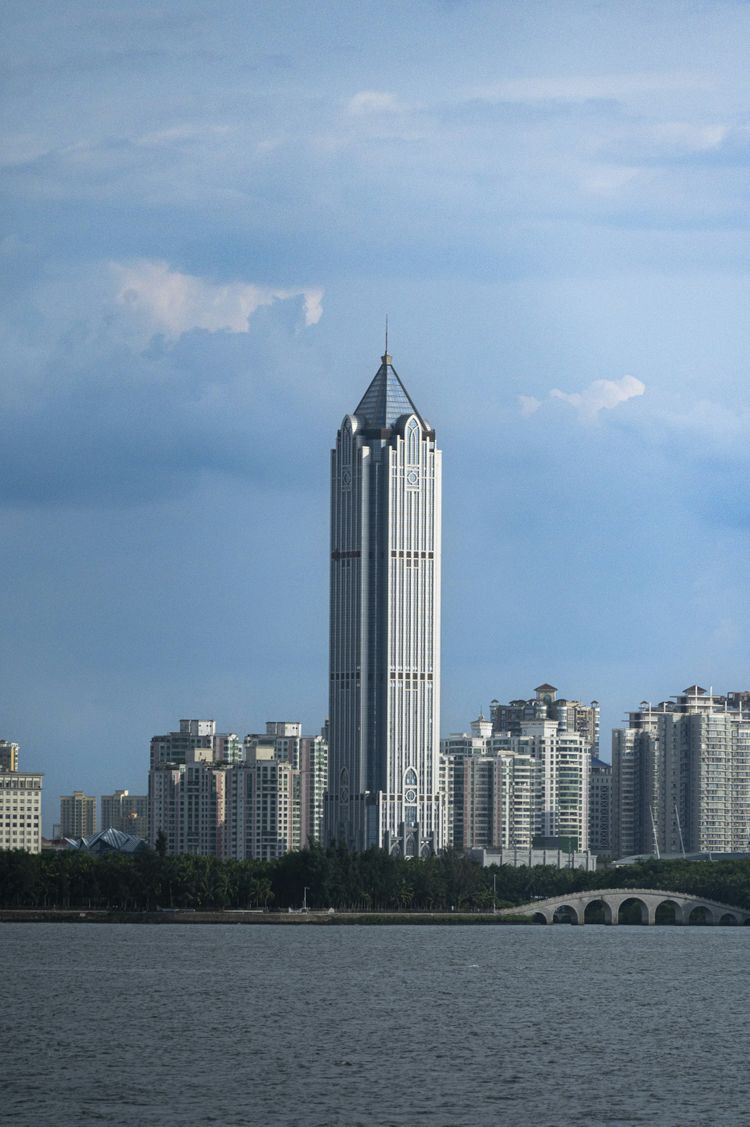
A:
[(700, 914), (668, 912), (538, 918), (729, 919), (565, 914), (632, 910), (598, 911)]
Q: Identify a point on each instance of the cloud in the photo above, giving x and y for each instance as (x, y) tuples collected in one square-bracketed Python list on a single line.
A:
[(175, 303), (529, 404), (121, 398), (375, 101), (600, 395)]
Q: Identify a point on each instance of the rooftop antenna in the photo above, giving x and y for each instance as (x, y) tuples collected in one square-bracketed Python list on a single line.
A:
[(386, 334)]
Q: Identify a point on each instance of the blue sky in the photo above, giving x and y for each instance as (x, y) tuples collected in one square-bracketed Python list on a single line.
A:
[(208, 211)]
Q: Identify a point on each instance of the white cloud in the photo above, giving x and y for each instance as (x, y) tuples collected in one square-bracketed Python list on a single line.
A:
[(528, 404), (375, 101), (600, 395), (174, 302), (609, 180), (688, 136)]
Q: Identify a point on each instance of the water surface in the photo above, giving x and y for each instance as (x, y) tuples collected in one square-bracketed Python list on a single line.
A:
[(361, 1026)]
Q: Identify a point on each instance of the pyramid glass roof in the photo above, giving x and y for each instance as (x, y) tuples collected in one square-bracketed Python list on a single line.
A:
[(385, 400)]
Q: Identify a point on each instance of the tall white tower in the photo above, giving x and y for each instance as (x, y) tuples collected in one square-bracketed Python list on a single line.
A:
[(385, 626)]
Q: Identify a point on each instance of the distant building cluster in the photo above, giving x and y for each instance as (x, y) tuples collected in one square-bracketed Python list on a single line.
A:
[(211, 793)]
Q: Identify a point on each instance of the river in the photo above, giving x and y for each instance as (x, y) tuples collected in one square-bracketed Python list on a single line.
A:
[(127, 1025)]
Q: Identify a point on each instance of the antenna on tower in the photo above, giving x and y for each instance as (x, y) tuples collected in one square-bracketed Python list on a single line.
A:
[(386, 334)]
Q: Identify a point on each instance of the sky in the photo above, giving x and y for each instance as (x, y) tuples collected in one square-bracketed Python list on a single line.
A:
[(207, 212)]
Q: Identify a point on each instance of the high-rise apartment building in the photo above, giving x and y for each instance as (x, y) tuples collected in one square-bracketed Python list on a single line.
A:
[(385, 626), (77, 814), (20, 803), (681, 776), (125, 812), (313, 771), (282, 735), (571, 715), (511, 791), (262, 807), (600, 807), (175, 747)]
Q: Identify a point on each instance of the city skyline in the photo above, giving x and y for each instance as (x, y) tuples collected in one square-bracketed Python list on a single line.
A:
[(208, 217)]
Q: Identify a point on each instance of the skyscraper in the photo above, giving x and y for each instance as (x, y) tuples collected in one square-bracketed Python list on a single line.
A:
[(385, 626)]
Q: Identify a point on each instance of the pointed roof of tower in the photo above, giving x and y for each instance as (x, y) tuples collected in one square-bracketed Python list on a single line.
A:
[(385, 400)]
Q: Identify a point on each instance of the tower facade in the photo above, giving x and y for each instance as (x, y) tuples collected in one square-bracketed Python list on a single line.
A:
[(385, 626)]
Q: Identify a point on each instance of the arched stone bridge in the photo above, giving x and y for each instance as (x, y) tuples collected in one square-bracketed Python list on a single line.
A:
[(604, 905)]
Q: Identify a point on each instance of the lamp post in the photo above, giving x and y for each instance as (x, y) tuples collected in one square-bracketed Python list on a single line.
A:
[(494, 893), (304, 899)]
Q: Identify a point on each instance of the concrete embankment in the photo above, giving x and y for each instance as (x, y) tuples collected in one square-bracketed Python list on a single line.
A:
[(182, 916)]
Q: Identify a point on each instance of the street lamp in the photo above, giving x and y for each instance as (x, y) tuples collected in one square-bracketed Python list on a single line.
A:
[(304, 899)]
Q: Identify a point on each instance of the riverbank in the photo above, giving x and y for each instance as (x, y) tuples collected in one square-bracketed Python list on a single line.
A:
[(181, 916)]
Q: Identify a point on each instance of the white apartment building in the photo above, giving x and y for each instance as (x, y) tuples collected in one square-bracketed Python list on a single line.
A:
[(176, 747), (508, 790), (681, 776), (21, 810), (313, 769)]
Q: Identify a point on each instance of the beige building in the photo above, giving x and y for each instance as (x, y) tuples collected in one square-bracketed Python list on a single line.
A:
[(77, 814), (262, 807), (20, 805), (126, 812)]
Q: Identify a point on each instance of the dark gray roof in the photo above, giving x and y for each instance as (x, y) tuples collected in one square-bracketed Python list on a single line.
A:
[(385, 400), (106, 841)]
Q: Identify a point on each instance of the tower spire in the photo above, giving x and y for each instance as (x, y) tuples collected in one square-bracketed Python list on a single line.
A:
[(386, 356)]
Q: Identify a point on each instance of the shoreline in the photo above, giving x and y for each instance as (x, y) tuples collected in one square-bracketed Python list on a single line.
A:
[(183, 916)]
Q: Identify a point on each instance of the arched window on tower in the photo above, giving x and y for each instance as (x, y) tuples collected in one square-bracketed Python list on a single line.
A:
[(346, 442), (413, 435)]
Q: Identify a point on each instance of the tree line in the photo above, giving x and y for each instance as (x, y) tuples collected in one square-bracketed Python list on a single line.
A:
[(332, 877)]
